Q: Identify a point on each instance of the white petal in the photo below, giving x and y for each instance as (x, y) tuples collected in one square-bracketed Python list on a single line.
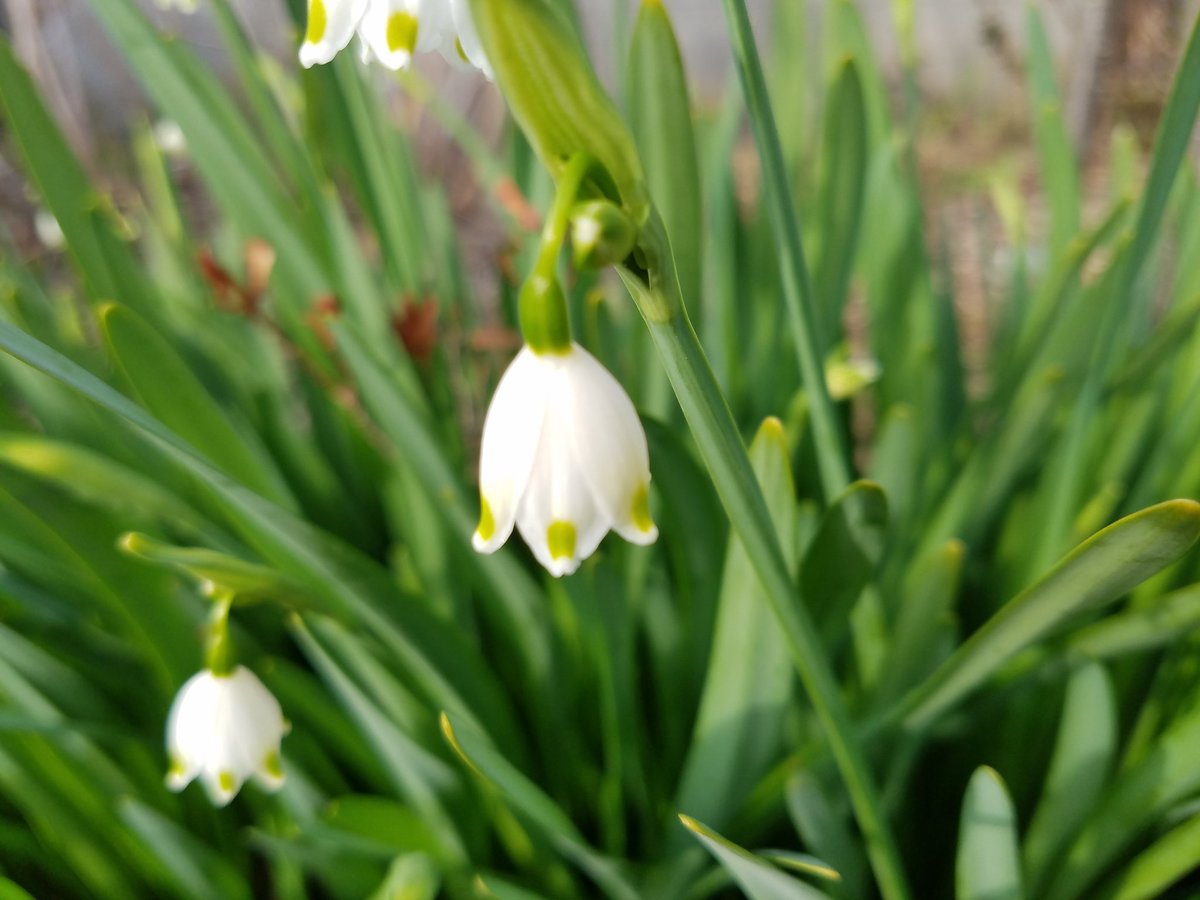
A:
[(224, 729), (391, 29), (221, 786), (511, 432), (466, 46), (609, 445), (331, 24), (558, 516)]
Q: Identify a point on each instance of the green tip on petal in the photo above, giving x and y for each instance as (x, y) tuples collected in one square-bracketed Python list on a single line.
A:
[(458, 48), (176, 769), (272, 765), (401, 32), (560, 538), (317, 21), (641, 509), (227, 782), (487, 522)]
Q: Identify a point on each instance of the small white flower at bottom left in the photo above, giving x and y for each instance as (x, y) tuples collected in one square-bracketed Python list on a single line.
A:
[(225, 729)]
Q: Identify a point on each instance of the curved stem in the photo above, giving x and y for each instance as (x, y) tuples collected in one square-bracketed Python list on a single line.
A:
[(543, 306), (218, 651)]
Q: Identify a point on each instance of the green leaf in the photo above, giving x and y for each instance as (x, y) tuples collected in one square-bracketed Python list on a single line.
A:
[(1158, 623), (988, 863), (842, 557), (1079, 768), (1060, 174), (96, 479), (418, 775), (533, 804), (748, 686), (757, 877), (825, 832), (197, 870), (1137, 800), (383, 822), (660, 114), (11, 891), (1100, 570), (1155, 869), (171, 391), (924, 621), (840, 195), (249, 581), (410, 877)]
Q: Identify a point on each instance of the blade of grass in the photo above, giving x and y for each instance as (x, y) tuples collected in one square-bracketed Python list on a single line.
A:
[(989, 863), (798, 291), (1066, 474)]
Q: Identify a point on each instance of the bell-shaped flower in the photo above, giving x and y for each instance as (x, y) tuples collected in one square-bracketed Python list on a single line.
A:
[(224, 729), (564, 458), (391, 31)]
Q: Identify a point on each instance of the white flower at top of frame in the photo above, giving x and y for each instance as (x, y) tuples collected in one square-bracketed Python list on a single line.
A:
[(564, 458), (391, 31), (224, 729)]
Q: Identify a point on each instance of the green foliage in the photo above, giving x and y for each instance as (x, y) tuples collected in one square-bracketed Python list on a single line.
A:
[(958, 660)]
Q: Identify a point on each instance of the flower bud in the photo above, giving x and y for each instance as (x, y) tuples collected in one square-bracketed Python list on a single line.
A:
[(602, 235)]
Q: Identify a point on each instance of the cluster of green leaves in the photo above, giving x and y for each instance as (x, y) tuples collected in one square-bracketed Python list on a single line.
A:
[(464, 724)]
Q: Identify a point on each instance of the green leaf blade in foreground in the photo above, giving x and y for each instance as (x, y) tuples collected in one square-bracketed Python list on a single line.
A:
[(989, 863), (535, 806), (1138, 799), (749, 681), (1100, 570), (1172, 856), (754, 875), (1079, 768), (169, 389)]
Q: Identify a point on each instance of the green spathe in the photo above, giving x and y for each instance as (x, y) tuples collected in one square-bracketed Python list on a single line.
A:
[(555, 96)]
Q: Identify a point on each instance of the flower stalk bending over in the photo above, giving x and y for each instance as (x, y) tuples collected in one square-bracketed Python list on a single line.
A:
[(564, 456)]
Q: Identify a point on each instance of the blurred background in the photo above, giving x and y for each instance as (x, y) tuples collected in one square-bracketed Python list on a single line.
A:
[(1113, 58)]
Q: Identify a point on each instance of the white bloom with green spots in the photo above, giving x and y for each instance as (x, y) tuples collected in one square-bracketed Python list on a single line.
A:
[(564, 458), (391, 31), (225, 729)]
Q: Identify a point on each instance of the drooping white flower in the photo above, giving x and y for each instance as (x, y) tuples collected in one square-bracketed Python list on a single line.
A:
[(564, 458), (391, 31), (224, 729)]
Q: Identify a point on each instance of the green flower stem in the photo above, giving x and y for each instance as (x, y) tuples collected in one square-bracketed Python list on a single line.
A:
[(797, 286), (656, 290), (543, 306), (218, 650)]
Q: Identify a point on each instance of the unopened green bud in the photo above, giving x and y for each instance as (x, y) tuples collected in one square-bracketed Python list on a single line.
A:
[(602, 235)]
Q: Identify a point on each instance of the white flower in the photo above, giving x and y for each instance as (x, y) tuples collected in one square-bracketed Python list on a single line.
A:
[(224, 729), (391, 31), (564, 457)]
